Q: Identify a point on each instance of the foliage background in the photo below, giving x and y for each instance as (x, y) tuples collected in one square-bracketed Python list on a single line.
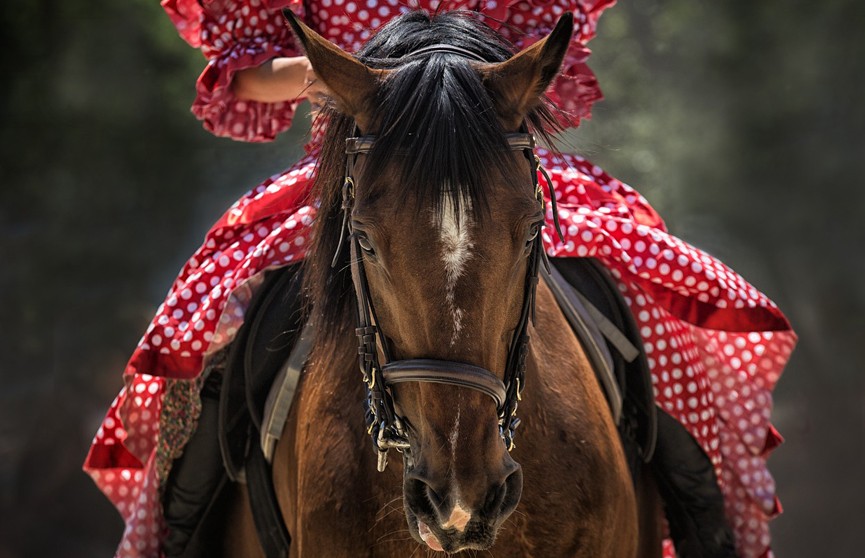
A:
[(741, 121)]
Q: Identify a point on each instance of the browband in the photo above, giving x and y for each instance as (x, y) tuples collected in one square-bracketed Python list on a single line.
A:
[(363, 144), (444, 49)]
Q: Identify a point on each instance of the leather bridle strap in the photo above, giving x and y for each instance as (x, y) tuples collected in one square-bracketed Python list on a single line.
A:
[(444, 49), (446, 372)]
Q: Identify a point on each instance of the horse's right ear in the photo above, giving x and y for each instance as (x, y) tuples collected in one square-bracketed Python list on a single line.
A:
[(517, 84), (351, 84)]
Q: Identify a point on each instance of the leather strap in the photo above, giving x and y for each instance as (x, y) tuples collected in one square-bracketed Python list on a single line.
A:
[(638, 426), (446, 372), (363, 144), (609, 330), (255, 358), (282, 393), (360, 144), (520, 141), (595, 348), (444, 49), (272, 532)]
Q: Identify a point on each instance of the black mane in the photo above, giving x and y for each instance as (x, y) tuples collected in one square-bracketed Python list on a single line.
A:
[(435, 117), (434, 110)]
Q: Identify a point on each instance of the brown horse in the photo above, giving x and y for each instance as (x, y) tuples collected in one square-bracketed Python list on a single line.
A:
[(435, 218)]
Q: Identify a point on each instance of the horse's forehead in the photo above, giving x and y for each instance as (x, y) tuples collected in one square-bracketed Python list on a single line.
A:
[(393, 203)]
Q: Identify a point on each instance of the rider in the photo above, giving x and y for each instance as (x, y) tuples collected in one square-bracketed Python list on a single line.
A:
[(715, 345)]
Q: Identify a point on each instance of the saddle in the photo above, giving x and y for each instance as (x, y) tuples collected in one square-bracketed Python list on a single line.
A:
[(271, 348), (233, 397), (685, 477)]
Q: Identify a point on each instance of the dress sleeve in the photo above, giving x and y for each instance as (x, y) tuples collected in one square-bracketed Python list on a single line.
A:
[(524, 22), (233, 35)]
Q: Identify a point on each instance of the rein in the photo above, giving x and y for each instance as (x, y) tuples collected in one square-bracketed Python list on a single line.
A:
[(384, 425)]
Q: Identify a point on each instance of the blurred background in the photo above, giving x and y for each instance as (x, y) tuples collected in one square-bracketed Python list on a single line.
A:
[(743, 122)]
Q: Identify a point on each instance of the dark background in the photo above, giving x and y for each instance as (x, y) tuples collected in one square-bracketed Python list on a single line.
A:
[(742, 121)]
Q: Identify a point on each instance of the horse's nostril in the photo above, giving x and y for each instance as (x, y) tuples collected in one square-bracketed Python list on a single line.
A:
[(495, 497), (504, 499), (435, 499), (422, 497)]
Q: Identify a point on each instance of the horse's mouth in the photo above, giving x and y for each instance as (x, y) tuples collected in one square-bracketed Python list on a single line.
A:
[(428, 536), (449, 541)]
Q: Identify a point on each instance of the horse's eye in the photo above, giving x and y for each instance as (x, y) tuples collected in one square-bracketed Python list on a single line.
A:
[(365, 244), (533, 233)]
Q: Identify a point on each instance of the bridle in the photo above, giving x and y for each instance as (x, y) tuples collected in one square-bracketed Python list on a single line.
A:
[(384, 425)]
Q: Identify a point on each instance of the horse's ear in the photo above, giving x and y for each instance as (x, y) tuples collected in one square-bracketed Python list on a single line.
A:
[(516, 85), (351, 84)]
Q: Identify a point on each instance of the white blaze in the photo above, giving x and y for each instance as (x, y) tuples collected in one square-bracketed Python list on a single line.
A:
[(456, 250), (459, 516), (455, 433)]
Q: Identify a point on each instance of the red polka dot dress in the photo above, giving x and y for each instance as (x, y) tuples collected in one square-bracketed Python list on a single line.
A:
[(716, 345)]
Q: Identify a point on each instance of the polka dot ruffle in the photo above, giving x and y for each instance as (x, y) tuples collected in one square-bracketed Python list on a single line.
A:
[(715, 345), (237, 34), (121, 463), (201, 314)]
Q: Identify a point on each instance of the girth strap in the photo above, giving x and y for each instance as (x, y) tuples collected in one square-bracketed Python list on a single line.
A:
[(272, 532), (446, 372)]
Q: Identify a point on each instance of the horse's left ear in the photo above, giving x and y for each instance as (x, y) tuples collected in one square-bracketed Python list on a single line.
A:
[(352, 85), (516, 85)]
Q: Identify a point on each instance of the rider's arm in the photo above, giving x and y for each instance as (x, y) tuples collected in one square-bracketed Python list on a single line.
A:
[(279, 79)]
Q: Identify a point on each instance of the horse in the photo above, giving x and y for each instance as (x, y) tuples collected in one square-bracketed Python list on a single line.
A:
[(424, 269)]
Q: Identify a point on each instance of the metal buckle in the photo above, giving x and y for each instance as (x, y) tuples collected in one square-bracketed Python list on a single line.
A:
[(385, 441), (382, 449)]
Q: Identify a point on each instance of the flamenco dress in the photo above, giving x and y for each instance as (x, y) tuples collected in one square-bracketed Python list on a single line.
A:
[(716, 345)]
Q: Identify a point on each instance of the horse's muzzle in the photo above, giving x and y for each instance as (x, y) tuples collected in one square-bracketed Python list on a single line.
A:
[(452, 519)]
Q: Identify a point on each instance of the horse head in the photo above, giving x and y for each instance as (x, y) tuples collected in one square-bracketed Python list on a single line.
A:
[(436, 223)]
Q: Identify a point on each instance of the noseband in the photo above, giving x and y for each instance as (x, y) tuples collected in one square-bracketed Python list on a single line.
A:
[(386, 427)]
